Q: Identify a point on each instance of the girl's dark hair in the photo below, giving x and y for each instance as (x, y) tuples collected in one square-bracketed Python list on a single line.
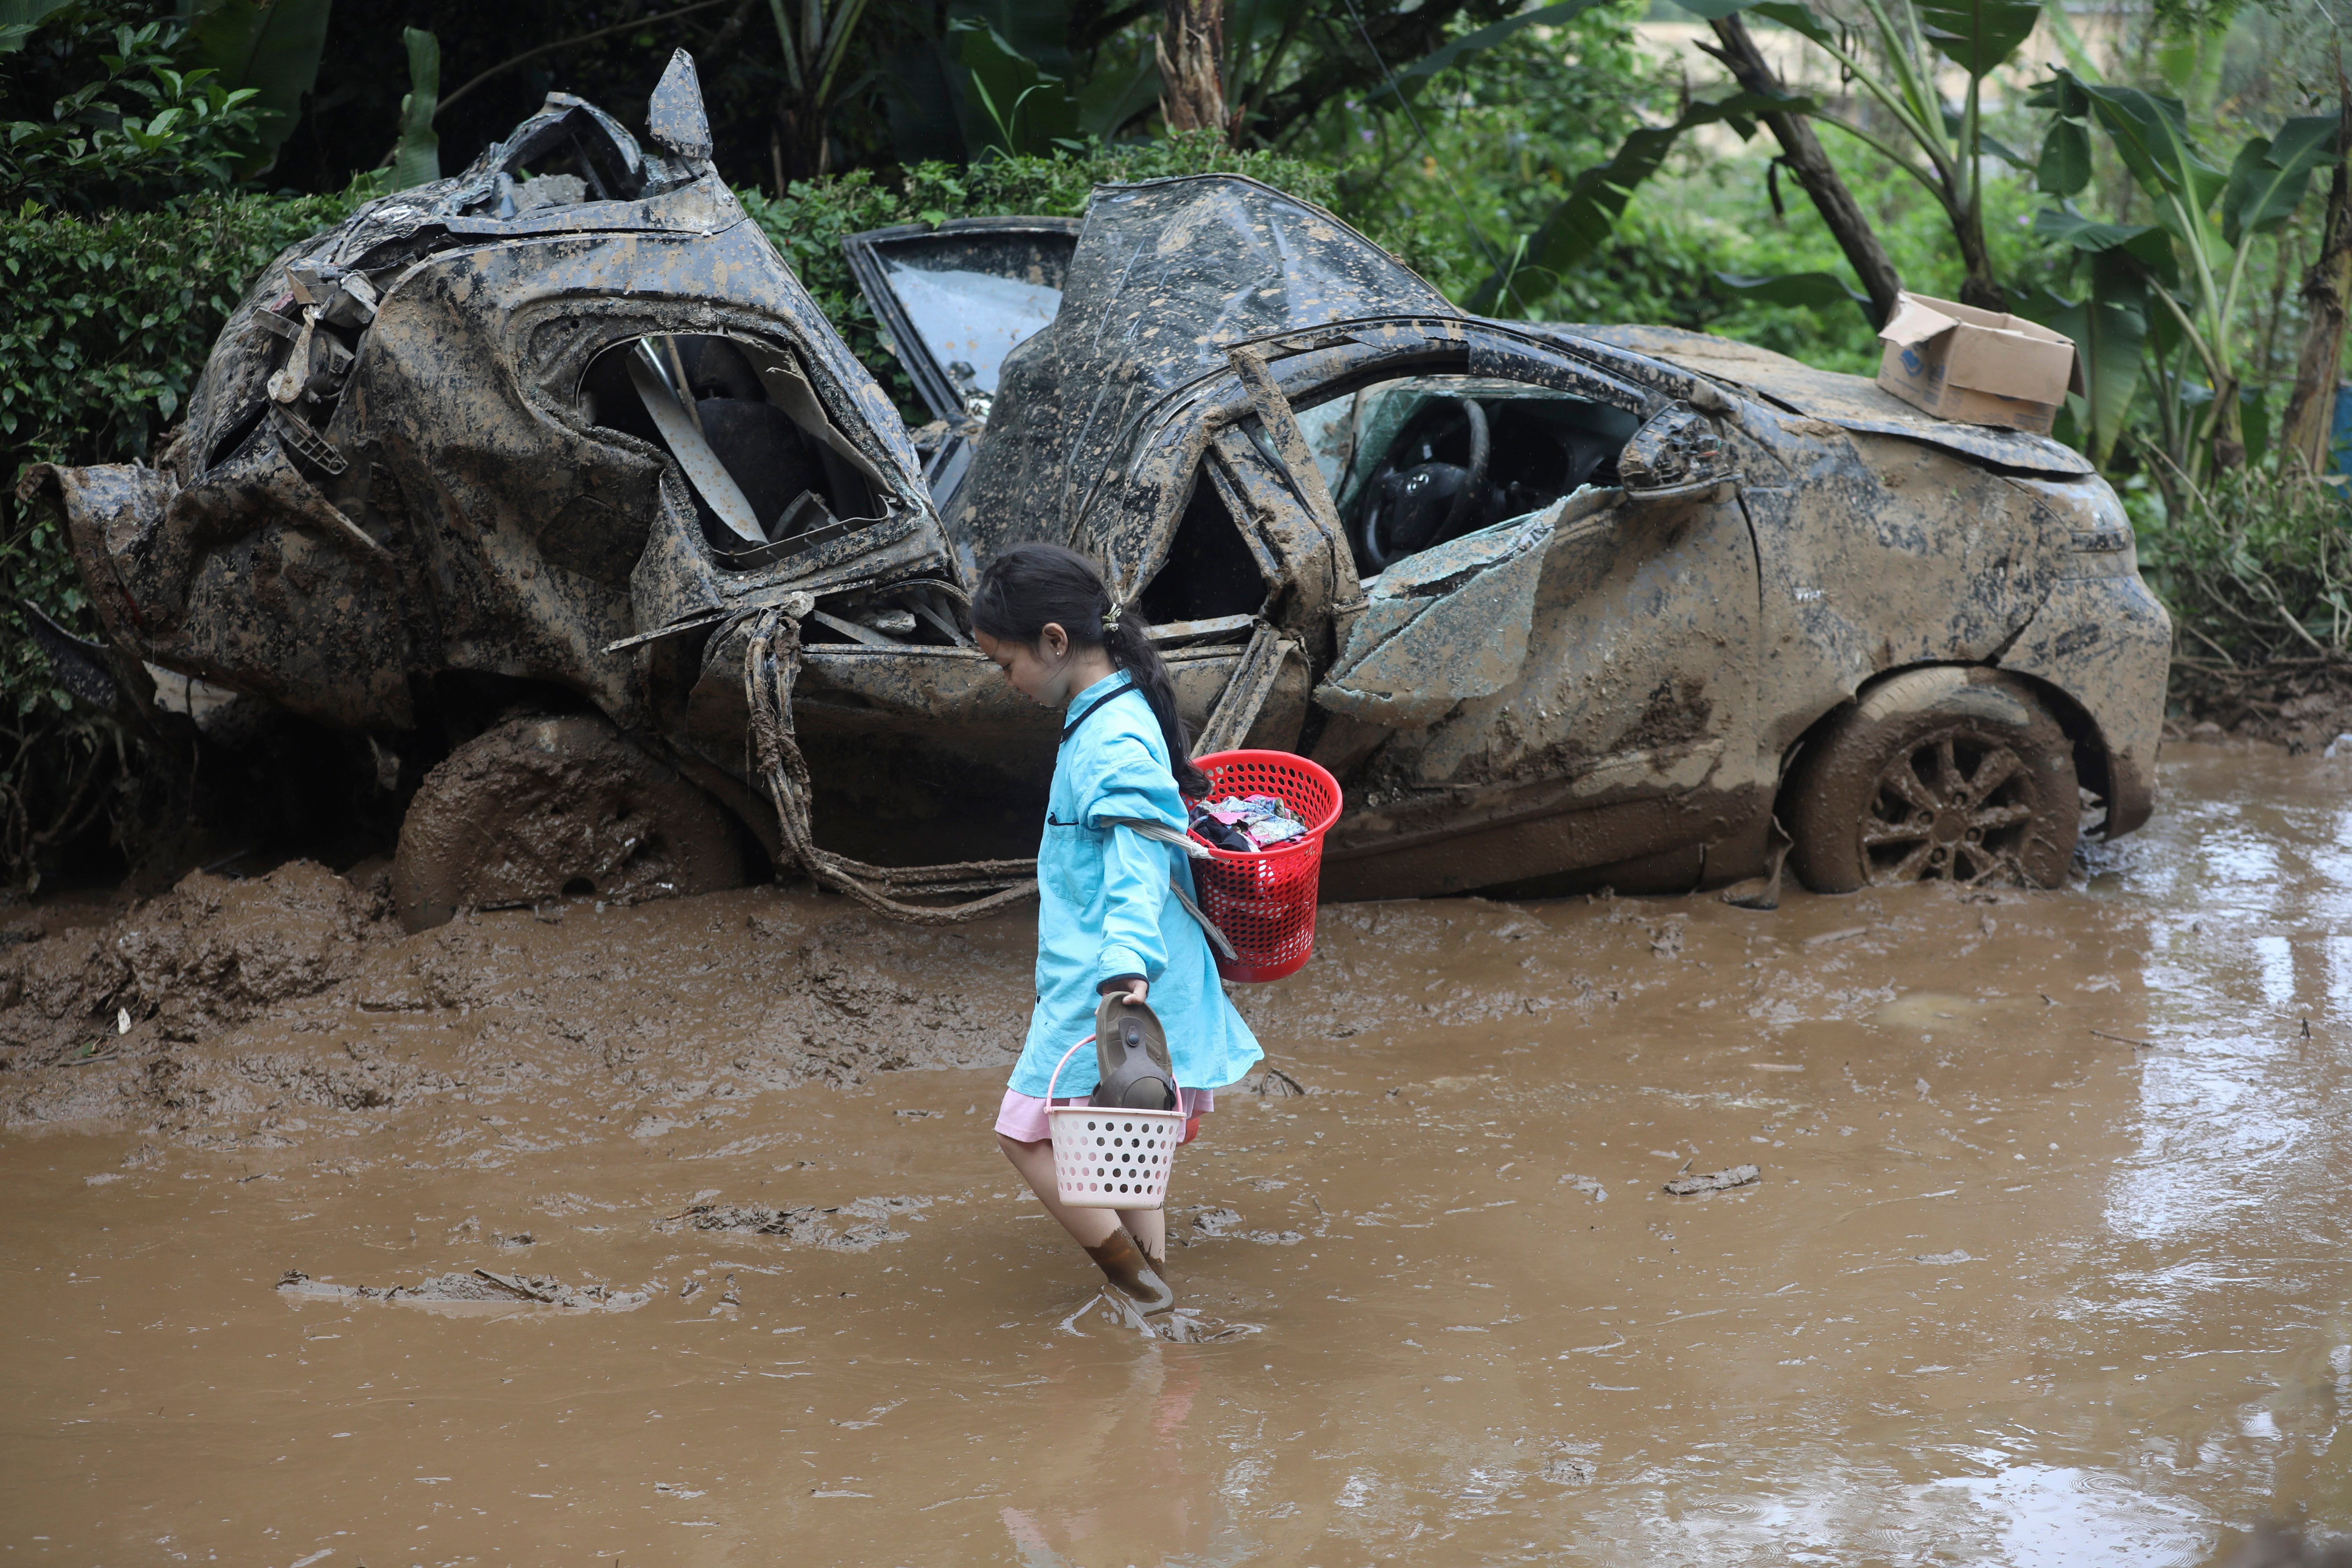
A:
[(1031, 586)]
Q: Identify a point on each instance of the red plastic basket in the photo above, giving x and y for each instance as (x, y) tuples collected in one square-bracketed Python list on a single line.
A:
[(1264, 901)]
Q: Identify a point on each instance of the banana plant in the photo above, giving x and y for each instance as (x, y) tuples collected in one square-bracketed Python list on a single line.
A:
[(2189, 268), (416, 156), (18, 18), (1015, 104), (814, 40), (1940, 146), (1596, 199), (270, 48)]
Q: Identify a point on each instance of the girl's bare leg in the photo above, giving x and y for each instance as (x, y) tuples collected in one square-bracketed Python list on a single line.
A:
[(1127, 1256), (1090, 1227)]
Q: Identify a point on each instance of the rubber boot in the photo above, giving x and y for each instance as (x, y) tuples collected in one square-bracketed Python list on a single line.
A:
[(1125, 1265), (1158, 1265)]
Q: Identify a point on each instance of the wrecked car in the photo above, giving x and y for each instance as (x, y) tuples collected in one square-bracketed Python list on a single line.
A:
[(555, 468)]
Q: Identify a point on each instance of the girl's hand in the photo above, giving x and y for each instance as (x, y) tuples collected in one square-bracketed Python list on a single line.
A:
[(1136, 991)]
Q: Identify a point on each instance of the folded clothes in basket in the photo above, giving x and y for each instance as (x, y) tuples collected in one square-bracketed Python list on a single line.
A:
[(1246, 822)]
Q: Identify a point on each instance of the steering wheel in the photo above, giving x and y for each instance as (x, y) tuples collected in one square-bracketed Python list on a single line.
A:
[(1410, 506)]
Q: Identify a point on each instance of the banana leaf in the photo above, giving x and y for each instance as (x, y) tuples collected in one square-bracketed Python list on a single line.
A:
[(417, 160), (2109, 326), (271, 47), (1486, 37), (1581, 223), (1811, 290), (1011, 101), (1977, 35), (2151, 135), (2268, 180), (2147, 243), (18, 18), (2064, 169)]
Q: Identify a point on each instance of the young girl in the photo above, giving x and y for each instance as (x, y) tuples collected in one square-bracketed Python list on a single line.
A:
[(1105, 922)]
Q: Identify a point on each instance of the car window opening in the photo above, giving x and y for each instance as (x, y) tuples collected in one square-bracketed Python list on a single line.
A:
[(1210, 571), (764, 465), (1422, 461)]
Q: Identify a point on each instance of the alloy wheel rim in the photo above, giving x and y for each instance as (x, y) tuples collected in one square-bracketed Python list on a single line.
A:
[(1953, 806)]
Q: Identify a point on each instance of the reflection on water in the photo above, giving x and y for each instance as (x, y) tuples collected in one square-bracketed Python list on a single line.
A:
[(2051, 1518), (2046, 1266)]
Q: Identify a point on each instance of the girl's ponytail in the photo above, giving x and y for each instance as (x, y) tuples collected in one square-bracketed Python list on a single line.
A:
[(1031, 586), (1129, 644)]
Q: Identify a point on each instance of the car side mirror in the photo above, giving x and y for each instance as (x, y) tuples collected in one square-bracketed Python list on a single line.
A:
[(675, 117), (1677, 453)]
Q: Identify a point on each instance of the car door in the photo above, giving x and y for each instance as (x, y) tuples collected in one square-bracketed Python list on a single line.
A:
[(956, 298), (1560, 701)]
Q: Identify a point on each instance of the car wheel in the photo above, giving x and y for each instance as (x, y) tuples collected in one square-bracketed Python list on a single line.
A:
[(540, 808), (1951, 773)]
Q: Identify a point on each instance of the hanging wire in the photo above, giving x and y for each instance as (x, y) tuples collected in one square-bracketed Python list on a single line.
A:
[(1508, 278)]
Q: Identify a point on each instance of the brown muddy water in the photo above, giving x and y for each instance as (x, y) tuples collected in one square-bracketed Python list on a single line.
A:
[(2046, 1264)]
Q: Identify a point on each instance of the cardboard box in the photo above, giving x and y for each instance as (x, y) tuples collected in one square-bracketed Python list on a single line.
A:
[(1976, 367)]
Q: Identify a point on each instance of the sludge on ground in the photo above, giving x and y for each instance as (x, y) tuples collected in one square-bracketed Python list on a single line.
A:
[(2013, 1287)]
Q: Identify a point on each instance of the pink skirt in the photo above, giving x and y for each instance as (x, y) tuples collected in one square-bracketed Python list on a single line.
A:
[(1022, 1117)]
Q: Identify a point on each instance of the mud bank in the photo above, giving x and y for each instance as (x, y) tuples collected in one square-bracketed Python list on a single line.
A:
[(2043, 1261), (2299, 710), (666, 1005)]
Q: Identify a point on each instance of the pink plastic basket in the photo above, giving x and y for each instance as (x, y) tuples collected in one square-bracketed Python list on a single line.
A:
[(1264, 900), (1110, 1159)]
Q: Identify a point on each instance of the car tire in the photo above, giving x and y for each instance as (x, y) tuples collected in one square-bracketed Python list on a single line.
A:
[(541, 808), (1950, 772)]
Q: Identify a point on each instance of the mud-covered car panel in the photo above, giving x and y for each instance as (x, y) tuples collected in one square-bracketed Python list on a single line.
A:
[(452, 502)]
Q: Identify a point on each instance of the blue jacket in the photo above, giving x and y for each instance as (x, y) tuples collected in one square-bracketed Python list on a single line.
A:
[(1103, 907)]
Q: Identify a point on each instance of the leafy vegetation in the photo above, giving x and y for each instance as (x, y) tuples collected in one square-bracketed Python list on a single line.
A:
[(2257, 568), (137, 125)]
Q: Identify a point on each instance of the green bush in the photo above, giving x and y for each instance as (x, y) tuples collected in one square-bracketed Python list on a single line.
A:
[(106, 325), (104, 106)]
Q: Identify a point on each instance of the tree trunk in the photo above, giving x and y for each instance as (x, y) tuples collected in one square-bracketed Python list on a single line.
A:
[(1977, 285), (1800, 152), (798, 147), (2311, 406), (1190, 51)]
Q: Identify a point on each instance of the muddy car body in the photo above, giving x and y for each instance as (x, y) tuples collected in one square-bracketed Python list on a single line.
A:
[(562, 443)]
